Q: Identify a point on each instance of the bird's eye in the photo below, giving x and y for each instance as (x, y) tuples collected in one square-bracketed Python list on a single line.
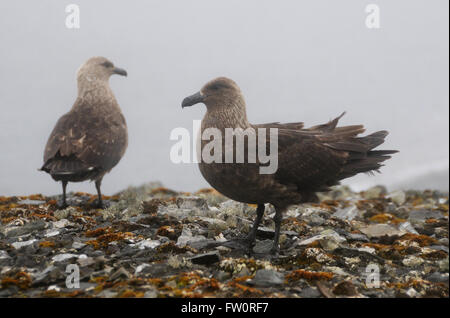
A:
[(107, 64)]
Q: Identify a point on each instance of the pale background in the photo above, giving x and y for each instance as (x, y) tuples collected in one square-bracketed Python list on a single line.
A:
[(294, 60)]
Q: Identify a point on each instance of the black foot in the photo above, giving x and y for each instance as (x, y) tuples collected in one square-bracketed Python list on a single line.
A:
[(275, 251), (243, 243), (62, 204), (98, 204), (101, 204)]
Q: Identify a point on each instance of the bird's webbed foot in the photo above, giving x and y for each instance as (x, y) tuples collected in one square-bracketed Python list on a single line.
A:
[(100, 204), (62, 204)]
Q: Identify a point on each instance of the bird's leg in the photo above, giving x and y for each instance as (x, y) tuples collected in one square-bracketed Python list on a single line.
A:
[(259, 215), (277, 218), (98, 183), (64, 186), (246, 242)]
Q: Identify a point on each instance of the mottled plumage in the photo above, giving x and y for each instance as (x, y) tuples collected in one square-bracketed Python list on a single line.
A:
[(91, 138), (309, 160)]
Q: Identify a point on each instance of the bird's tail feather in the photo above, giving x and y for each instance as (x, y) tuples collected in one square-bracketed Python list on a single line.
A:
[(362, 157), (68, 168)]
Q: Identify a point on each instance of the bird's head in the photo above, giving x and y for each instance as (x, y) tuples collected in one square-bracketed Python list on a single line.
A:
[(220, 92), (98, 69)]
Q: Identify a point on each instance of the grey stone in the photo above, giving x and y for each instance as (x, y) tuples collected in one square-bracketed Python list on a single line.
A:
[(443, 265), (443, 241), (78, 245), (406, 226), (310, 292), (121, 273), (187, 202), (19, 245), (398, 197), (4, 255), (30, 202), (64, 214), (61, 223), (356, 237), (147, 244), (437, 277), (152, 293), (85, 261), (107, 294), (375, 192), (267, 278), (329, 243), (439, 248), (379, 230), (327, 234), (222, 276), (412, 261), (51, 274), (25, 229), (186, 238), (63, 257), (422, 215), (51, 233), (206, 259), (263, 247), (348, 213)]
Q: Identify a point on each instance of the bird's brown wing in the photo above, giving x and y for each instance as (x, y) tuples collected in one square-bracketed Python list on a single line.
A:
[(305, 161), (318, 157), (294, 126), (94, 140)]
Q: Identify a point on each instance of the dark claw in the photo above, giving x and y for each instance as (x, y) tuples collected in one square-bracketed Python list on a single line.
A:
[(240, 243), (101, 204), (62, 205), (275, 250)]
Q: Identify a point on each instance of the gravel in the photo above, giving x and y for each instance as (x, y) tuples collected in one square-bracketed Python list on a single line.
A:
[(155, 242)]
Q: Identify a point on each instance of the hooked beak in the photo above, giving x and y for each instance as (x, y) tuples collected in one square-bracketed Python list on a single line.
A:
[(192, 100), (120, 71)]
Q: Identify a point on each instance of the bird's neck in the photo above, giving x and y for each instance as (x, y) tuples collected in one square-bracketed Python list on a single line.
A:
[(95, 91), (226, 116)]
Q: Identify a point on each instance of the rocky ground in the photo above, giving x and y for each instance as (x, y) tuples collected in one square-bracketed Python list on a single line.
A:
[(155, 242)]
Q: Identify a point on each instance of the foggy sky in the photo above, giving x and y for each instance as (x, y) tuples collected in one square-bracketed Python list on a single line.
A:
[(294, 61)]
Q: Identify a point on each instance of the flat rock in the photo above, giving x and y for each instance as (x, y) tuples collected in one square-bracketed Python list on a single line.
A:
[(31, 202), (406, 226), (64, 257), (121, 273), (324, 235), (187, 202), (348, 213), (147, 244), (19, 245), (4, 255), (375, 192), (437, 277), (310, 292), (267, 278), (22, 230), (398, 197), (379, 230), (422, 215), (412, 261), (263, 247), (206, 259)]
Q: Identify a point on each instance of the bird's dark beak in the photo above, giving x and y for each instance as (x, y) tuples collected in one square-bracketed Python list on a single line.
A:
[(120, 71), (192, 100)]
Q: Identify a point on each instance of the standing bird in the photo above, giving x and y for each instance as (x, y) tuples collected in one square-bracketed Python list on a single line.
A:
[(92, 137), (309, 160)]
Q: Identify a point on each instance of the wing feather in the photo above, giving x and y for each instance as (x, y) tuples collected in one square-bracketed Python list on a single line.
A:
[(97, 139)]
